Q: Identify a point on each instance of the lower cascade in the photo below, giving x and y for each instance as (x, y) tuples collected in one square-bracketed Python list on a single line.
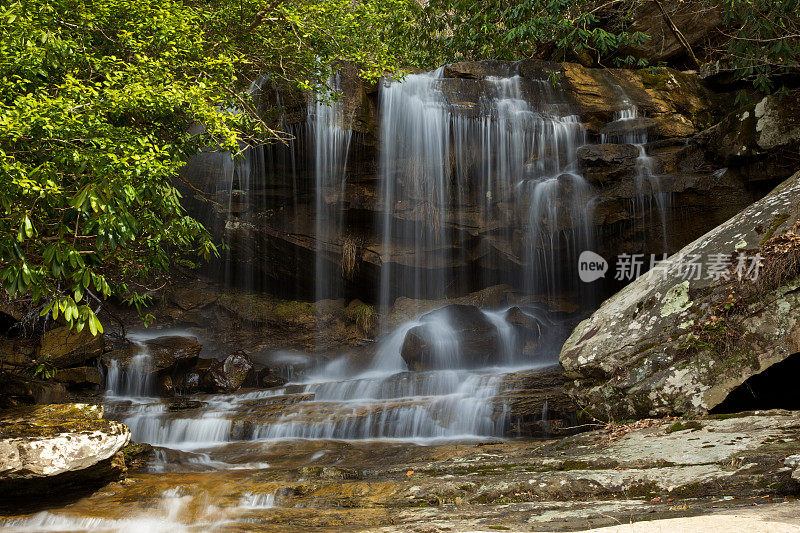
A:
[(454, 399)]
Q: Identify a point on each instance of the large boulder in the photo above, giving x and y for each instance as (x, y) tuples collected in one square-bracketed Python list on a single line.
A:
[(48, 448), (671, 344), (457, 335), (231, 374)]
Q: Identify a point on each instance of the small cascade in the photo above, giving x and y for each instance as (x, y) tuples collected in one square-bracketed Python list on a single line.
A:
[(135, 381), (250, 500), (331, 146), (453, 400), (509, 343), (650, 199)]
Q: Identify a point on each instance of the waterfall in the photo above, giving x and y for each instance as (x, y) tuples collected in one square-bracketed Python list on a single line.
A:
[(517, 158), (486, 178), (331, 146), (134, 381)]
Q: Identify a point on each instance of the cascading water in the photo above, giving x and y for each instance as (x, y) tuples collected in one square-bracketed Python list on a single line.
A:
[(517, 158), (135, 381), (331, 146), (650, 198), (511, 153)]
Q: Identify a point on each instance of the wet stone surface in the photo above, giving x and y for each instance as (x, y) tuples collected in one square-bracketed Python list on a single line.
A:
[(665, 469)]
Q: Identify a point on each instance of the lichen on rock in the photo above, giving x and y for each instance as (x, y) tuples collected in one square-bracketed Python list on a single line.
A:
[(703, 337)]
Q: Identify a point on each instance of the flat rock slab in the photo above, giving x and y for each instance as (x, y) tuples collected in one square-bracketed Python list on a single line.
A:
[(41, 443), (667, 469)]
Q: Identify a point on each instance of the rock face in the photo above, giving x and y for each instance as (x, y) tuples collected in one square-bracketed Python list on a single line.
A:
[(16, 391), (696, 20), (672, 342), (761, 140), (270, 225), (45, 448), (63, 347)]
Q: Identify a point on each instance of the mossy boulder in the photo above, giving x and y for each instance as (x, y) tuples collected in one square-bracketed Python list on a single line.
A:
[(44, 448), (663, 344)]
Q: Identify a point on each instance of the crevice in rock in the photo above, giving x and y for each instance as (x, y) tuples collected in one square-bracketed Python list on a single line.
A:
[(774, 388), (6, 323)]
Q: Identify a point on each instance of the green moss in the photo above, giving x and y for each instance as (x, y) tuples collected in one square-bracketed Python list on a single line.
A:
[(692, 425), (51, 420), (571, 464), (692, 490), (362, 315), (643, 489), (292, 309), (777, 220), (656, 78)]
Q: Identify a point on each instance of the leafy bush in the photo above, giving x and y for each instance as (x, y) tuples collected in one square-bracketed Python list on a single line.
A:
[(455, 30), (100, 104)]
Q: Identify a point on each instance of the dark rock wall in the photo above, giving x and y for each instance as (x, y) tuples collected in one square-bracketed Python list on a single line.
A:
[(270, 226)]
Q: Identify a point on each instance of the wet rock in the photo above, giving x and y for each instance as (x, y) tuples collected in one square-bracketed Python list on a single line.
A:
[(476, 70), (269, 377), (63, 347), (658, 346), (528, 327), (166, 386), (619, 129), (602, 163), (45, 448), (536, 403), (189, 382), (184, 404), (167, 352), (448, 337), (81, 376), (232, 373), (405, 309), (137, 454), (19, 390)]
